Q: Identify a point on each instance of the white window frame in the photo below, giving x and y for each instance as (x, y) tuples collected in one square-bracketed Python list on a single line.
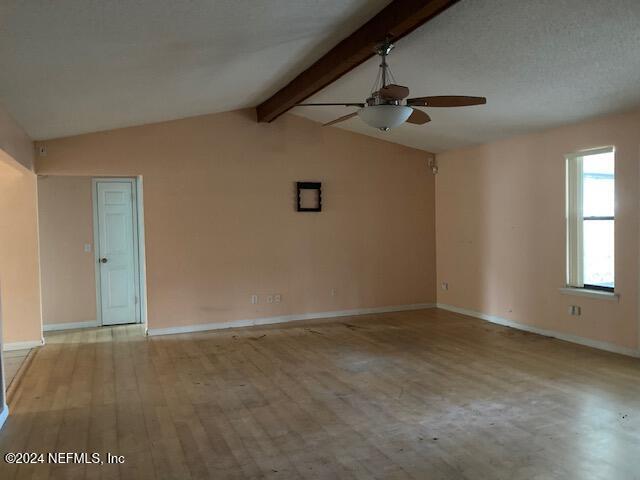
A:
[(575, 216)]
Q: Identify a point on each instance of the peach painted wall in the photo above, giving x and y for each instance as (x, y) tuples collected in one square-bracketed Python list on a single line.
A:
[(220, 223), (66, 225), (19, 270), (500, 230)]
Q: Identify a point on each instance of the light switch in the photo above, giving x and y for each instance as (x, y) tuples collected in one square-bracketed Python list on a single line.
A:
[(87, 247)]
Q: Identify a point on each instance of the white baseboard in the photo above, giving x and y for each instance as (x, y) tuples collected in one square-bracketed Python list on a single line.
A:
[(3, 415), (285, 318), (8, 347), (609, 347), (52, 327)]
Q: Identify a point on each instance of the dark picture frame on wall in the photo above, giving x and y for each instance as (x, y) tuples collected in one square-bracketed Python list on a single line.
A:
[(306, 202)]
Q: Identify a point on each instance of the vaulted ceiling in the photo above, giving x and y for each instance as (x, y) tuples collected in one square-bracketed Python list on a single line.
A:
[(540, 64), (70, 67), (74, 66)]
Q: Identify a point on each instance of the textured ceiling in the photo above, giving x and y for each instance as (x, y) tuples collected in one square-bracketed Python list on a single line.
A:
[(540, 64), (76, 66)]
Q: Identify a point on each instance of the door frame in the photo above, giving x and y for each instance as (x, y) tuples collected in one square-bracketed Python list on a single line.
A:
[(139, 262)]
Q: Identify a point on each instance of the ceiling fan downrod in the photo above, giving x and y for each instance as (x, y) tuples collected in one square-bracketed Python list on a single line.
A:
[(383, 50)]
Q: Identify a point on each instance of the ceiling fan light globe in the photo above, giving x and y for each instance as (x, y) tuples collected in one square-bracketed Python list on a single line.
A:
[(385, 117)]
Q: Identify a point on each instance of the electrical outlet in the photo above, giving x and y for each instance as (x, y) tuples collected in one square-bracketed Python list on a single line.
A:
[(87, 247), (575, 310), (254, 299), (445, 285), (269, 298), (333, 292), (277, 298)]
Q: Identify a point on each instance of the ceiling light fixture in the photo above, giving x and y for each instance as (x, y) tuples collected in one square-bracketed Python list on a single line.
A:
[(385, 117)]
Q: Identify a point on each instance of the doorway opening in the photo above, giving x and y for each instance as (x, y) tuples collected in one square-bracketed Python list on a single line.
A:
[(92, 252)]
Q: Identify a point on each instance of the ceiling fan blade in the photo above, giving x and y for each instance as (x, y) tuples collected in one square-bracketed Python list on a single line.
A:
[(446, 101), (394, 92), (418, 117), (341, 119), (330, 105)]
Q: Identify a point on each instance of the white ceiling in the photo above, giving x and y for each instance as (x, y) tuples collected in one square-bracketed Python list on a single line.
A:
[(76, 66), (540, 64)]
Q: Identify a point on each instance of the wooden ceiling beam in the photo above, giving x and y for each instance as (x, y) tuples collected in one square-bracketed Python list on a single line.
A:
[(396, 20)]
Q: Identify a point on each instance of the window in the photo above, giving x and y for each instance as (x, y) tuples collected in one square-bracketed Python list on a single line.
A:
[(591, 219)]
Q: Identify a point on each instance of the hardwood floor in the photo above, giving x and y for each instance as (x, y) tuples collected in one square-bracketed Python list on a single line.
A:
[(424, 395), (13, 361)]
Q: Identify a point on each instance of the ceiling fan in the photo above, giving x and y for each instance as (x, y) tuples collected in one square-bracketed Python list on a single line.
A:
[(384, 109)]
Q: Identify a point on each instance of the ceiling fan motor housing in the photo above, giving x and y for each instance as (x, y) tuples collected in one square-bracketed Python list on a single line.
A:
[(377, 99)]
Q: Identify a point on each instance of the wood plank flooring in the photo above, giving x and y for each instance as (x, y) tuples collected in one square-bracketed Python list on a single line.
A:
[(13, 361), (414, 395)]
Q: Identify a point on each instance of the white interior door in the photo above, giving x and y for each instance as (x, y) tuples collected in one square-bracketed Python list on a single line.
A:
[(116, 251)]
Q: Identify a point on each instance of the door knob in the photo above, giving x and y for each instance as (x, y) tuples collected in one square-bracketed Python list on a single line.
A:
[(103, 260)]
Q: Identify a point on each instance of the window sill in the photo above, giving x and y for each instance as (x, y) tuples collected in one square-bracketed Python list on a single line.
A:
[(585, 292)]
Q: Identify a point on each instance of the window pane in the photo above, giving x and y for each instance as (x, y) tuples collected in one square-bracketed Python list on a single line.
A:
[(598, 193), (598, 253)]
